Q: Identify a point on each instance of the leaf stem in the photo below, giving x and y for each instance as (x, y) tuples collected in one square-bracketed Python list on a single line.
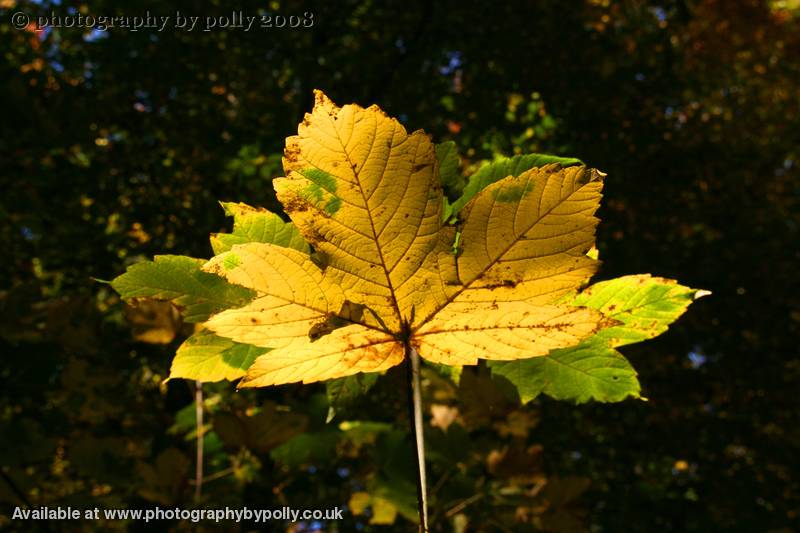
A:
[(415, 415), (198, 412)]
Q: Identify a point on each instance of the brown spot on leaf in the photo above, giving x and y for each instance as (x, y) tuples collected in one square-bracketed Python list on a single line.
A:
[(291, 153)]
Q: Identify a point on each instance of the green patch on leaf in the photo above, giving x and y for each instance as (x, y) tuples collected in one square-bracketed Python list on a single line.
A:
[(322, 185), (333, 204), (508, 195), (231, 261)]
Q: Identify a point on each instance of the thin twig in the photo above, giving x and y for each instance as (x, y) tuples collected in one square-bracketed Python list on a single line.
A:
[(438, 485), (215, 476), (415, 413), (15, 489), (198, 413), (463, 504)]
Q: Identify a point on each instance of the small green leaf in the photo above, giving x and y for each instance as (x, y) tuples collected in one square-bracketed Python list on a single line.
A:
[(342, 392), (591, 370), (260, 431), (360, 432), (451, 372), (251, 224), (317, 447), (645, 305), (449, 175), (504, 167), (178, 278), (207, 357)]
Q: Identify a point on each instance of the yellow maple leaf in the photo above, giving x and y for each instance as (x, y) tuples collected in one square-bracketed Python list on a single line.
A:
[(385, 278)]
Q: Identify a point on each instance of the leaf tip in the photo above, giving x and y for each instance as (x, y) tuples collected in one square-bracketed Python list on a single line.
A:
[(700, 293), (322, 101), (596, 175)]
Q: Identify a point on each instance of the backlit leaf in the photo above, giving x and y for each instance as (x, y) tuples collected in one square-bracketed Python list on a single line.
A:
[(504, 167), (590, 371), (364, 193), (644, 305), (389, 274), (207, 357), (179, 279)]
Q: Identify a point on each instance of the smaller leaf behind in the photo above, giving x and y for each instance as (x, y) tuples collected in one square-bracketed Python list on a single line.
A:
[(645, 305), (207, 357), (343, 392), (501, 168), (252, 224), (591, 370), (261, 431), (449, 174), (179, 279)]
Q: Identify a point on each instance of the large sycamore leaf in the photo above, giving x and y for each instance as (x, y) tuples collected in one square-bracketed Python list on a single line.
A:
[(643, 305), (365, 195), (384, 277)]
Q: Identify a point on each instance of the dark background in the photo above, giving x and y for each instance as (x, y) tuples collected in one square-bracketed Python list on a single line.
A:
[(116, 146)]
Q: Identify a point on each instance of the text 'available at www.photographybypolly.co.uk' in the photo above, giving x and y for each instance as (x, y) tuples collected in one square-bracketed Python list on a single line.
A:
[(226, 514)]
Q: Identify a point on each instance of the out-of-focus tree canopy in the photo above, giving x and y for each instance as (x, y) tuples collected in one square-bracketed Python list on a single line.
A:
[(116, 145)]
